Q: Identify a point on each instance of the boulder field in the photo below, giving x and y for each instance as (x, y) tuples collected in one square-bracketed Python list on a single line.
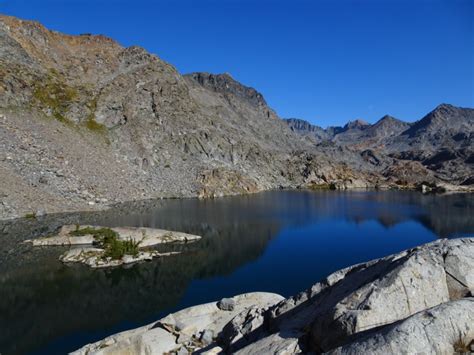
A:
[(417, 301)]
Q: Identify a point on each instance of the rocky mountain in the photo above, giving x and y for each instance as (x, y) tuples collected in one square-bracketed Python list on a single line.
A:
[(440, 144), (85, 122), (352, 131)]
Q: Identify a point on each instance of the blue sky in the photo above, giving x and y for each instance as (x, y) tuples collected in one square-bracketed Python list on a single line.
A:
[(325, 61)]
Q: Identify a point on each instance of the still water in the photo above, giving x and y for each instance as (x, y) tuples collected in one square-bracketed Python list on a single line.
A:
[(280, 241)]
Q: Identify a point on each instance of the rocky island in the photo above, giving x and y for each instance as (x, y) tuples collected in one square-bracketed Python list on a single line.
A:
[(417, 301), (100, 247)]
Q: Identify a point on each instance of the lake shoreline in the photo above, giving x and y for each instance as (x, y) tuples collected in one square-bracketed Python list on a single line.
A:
[(448, 189)]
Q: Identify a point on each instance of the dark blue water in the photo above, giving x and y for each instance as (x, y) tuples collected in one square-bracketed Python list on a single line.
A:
[(282, 241)]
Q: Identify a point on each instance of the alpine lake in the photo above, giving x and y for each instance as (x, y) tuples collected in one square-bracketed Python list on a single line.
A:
[(276, 241)]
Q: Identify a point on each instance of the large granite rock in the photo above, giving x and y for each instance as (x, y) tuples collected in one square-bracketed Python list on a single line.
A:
[(372, 295), (444, 329), (419, 300), (190, 329)]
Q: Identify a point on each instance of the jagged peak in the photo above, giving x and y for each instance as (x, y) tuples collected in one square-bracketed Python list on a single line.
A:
[(444, 106), (387, 119), (225, 83), (294, 119), (356, 124)]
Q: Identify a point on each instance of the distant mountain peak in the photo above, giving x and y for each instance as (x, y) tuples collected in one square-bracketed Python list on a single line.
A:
[(357, 124), (440, 118), (389, 120), (444, 106)]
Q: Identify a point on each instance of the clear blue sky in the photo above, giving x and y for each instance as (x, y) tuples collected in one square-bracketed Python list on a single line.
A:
[(325, 61)]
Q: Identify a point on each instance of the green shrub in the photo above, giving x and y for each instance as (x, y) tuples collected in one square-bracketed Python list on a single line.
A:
[(116, 248), (100, 234), (108, 239), (30, 215), (55, 95)]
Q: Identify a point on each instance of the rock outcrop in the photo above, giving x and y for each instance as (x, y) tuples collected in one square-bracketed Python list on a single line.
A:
[(443, 329), (191, 329), (418, 300)]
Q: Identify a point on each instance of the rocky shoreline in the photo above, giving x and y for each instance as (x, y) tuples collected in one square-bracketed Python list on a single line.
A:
[(417, 301), (52, 209)]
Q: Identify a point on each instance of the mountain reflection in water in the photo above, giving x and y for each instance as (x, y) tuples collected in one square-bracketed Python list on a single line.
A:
[(279, 241)]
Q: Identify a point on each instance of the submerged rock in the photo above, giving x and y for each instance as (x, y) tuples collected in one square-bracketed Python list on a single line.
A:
[(419, 300)]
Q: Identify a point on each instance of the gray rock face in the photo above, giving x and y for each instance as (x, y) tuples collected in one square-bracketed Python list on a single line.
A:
[(244, 328), (305, 128), (444, 329), (225, 84)]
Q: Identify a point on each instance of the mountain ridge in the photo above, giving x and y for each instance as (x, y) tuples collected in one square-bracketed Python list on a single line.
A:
[(86, 122)]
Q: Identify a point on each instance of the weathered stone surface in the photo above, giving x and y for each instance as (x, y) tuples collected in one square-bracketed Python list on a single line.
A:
[(200, 322), (226, 304), (62, 240), (147, 237), (444, 329), (244, 328), (212, 351), (93, 257), (278, 343), (208, 316), (459, 266), (152, 341), (207, 337), (370, 295)]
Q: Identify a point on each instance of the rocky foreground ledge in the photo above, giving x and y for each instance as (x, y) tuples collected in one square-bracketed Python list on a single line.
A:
[(418, 301)]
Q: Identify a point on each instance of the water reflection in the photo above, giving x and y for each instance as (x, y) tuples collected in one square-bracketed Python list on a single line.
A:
[(277, 241)]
